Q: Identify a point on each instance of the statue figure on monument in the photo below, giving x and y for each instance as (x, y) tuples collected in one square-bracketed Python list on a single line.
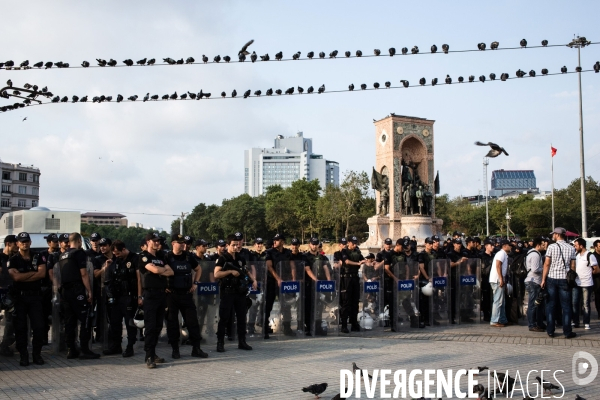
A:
[(427, 200), (406, 199), (413, 198), (419, 195), (406, 173), (381, 183)]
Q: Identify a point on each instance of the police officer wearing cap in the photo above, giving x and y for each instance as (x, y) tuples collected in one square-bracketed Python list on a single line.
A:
[(52, 241), (244, 252), (154, 272), (235, 281), (383, 254), (8, 338), (313, 258), (424, 260), (27, 272), (120, 289), (456, 258), (76, 298), (180, 297), (394, 256), (187, 244), (352, 260), (94, 243), (487, 259), (277, 254), (337, 256), (206, 275), (101, 262)]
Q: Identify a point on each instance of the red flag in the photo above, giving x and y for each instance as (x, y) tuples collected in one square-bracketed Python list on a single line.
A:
[(553, 151)]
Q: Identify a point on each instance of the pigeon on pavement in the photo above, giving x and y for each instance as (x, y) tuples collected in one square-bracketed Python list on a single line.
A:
[(316, 389)]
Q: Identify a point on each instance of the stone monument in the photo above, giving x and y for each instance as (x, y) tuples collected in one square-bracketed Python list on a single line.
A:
[(404, 181)]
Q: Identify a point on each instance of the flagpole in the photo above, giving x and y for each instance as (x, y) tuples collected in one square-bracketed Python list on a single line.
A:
[(552, 169)]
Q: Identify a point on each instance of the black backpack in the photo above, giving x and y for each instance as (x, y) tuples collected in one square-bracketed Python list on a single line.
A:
[(518, 266)]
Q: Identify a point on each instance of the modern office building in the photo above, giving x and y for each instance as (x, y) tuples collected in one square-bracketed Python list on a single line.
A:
[(20, 187), (504, 181), (291, 159), (99, 218)]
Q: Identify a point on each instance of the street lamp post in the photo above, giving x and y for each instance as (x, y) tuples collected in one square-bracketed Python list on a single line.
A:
[(507, 222), (578, 43), (487, 213)]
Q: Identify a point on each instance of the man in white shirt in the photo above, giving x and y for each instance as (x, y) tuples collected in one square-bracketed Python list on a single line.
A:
[(497, 275), (535, 267), (584, 266)]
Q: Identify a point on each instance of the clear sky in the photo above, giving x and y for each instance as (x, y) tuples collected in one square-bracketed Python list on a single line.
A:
[(166, 157)]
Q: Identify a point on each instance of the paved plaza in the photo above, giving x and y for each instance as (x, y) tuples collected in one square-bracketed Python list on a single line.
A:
[(278, 369)]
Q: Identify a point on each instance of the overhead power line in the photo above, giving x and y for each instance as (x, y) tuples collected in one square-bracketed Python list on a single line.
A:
[(10, 65), (293, 91)]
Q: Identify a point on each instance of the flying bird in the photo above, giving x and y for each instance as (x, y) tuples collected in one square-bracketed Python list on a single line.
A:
[(315, 389), (495, 149), (24, 119), (244, 49)]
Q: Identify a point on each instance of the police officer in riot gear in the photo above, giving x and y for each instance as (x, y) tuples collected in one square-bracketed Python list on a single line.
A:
[(314, 259), (337, 256), (424, 259), (121, 288), (352, 260), (394, 256), (76, 298), (381, 257), (8, 338), (52, 240), (277, 254), (101, 262), (27, 272), (456, 257), (235, 282), (154, 272), (258, 254), (180, 297), (206, 276)]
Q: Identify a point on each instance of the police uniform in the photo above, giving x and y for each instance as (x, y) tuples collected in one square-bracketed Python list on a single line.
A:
[(205, 277), (233, 291), (254, 311), (74, 304), (181, 299), (8, 338), (425, 258), (318, 264), (45, 256), (120, 287), (350, 288), (98, 261), (154, 298), (276, 257), (393, 257), (486, 289), (28, 304)]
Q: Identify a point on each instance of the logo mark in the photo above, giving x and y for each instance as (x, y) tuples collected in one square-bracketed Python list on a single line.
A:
[(579, 368)]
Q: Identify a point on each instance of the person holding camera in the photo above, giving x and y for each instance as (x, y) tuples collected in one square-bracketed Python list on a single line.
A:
[(180, 297), (120, 290), (535, 267), (27, 272), (235, 281)]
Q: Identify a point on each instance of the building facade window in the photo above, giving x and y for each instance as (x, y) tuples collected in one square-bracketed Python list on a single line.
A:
[(5, 188), (35, 191), (22, 189), (36, 178), (6, 175), (5, 203), (23, 176), (34, 203), (21, 203)]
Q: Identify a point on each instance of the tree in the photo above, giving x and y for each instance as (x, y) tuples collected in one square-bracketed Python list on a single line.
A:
[(132, 237)]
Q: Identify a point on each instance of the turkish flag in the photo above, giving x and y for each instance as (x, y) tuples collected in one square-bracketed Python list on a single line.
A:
[(553, 150)]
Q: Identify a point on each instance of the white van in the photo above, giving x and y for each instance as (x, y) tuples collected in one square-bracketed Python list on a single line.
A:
[(39, 222)]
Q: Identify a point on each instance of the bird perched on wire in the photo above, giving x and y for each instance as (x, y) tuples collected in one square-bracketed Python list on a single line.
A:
[(234, 93), (83, 99), (165, 97), (101, 62), (471, 78), (310, 54), (253, 56), (241, 57), (141, 62), (363, 86), (180, 61), (153, 97), (596, 67), (347, 54), (388, 84), (300, 90), (310, 89), (266, 57), (546, 385), (445, 48), (223, 94), (376, 85), (290, 90), (151, 61), (351, 87), (315, 389), (434, 48), (128, 62), (132, 98), (422, 81), (321, 89), (146, 97), (279, 56), (405, 83), (296, 56), (39, 64), (24, 63), (247, 93), (183, 96), (257, 93), (279, 92), (190, 60), (204, 59), (269, 91), (494, 45), (448, 80), (481, 46), (192, 95), (415, 50), (49, 64), (392, 51), (244, 49), (333, 54), (377, 52), (523, 43), (217, 58), (322, 54), (112, 62), (404, 50), (544, 43), (227, 59), (358, 53), (495, 150), (173, 96)]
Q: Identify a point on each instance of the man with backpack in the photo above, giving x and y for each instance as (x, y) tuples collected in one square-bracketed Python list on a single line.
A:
[(535, 267), (560, 258), (582, 293)]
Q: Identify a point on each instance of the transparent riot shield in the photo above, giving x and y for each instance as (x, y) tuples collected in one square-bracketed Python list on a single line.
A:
[(321, 303), (372, 315), (92, 318), (256, 314), (58, 327), (406, 296), (441, 308), (105, 302), (468, 291), (291, 298), (7, 332), (207, 302)]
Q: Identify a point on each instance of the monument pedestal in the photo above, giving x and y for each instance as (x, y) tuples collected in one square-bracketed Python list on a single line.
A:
[(419, 226), (379, 230)]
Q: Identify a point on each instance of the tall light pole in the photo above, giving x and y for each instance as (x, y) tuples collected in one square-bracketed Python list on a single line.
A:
[(181, 222), (507, 223), (486, 161), (578, 43)]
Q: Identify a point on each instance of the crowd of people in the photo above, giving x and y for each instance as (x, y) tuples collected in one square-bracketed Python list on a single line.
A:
[(157, 284)]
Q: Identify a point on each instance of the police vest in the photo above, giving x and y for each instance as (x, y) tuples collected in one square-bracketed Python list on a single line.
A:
[(24, 266), (182, 272), (122, 277), (317, 263), (70, 266)]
